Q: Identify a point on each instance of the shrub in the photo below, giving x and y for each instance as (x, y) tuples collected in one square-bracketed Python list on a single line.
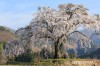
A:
[(2, 44), (1, 47), (2, 28), (3, 59), (28, 56)]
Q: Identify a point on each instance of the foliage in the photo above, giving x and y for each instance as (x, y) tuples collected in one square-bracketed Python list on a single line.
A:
[(72, 55), (28, 56), (2, 28), (3, 59), (45, 53), (2, 45)]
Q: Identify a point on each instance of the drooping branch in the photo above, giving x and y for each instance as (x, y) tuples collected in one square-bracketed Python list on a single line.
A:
[(85, 40), (78, 33)]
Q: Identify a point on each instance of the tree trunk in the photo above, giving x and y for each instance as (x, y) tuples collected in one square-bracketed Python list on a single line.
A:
[(56, 51), (57, 45)]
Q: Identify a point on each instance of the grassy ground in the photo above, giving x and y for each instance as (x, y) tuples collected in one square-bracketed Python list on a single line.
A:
[(60, 62)]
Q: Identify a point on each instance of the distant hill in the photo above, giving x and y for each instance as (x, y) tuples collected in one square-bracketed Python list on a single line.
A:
[(94, 54), (6, 34), (95, 37)]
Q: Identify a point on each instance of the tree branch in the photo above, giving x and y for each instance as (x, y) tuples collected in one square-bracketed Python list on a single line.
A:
[(79, 33)]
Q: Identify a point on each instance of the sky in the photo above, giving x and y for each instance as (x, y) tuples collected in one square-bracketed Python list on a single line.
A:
[(19, 13)]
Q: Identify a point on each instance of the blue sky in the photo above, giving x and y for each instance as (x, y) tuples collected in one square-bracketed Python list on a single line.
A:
[(19, 13)]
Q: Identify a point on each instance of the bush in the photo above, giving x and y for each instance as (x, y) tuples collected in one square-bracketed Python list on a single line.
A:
[(45, 53), (2, 28), (1, 47), (28, 56), (2, 44)]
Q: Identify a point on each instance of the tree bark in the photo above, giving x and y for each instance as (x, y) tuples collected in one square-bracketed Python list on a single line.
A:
[(56, 50), (57, 45)]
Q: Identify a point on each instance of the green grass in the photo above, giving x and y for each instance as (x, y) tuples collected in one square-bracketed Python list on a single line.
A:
[(42, 62), (1, 47), (19, 63), (52, 62)]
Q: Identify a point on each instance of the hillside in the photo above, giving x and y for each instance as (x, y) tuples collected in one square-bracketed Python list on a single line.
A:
[(6, 34), (95, 36), (95, 54)]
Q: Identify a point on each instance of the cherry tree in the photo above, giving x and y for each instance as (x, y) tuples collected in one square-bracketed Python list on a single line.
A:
[(57, 25)]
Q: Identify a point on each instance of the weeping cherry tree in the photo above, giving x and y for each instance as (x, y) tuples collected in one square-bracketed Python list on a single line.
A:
[(58, 24)]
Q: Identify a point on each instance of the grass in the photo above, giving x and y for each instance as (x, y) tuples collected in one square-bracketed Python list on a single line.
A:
[(41, 62), (50, 62), (1, 47)]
